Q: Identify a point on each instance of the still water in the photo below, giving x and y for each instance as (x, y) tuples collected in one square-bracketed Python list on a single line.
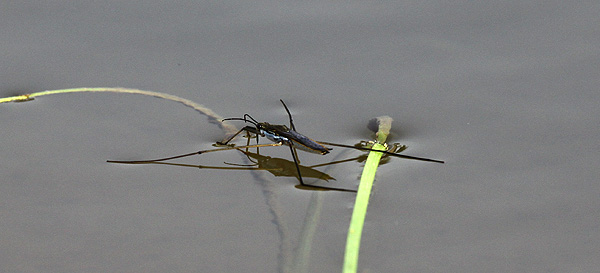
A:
[(505, 93)]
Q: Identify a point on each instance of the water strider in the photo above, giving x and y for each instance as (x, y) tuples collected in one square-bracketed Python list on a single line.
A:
[(281, 135)]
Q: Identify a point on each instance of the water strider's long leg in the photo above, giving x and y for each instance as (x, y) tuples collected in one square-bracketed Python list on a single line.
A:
[(246, 128), (195, 153), (295, 157), (385, 152), (289, 115), (247, 149), (337, 162), (194, 166)]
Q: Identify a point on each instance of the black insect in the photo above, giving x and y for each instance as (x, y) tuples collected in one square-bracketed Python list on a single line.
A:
[(281, 135)]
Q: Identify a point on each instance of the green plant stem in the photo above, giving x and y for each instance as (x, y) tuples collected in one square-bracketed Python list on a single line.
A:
[(362, 197), (213, 117)]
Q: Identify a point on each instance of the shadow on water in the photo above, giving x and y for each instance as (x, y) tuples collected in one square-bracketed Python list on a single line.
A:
[(293, 257), (278, 167)]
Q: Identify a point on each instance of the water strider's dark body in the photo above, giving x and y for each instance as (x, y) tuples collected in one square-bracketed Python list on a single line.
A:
[(299, 141), (283, 134)]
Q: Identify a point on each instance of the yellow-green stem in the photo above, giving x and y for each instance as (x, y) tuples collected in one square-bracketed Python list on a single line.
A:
[(228, 128), (362, 197)]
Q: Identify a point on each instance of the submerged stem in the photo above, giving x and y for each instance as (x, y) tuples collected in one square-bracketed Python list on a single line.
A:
[(212, 116)]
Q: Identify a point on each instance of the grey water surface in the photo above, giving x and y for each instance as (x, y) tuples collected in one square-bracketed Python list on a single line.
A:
[(506, 92)]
